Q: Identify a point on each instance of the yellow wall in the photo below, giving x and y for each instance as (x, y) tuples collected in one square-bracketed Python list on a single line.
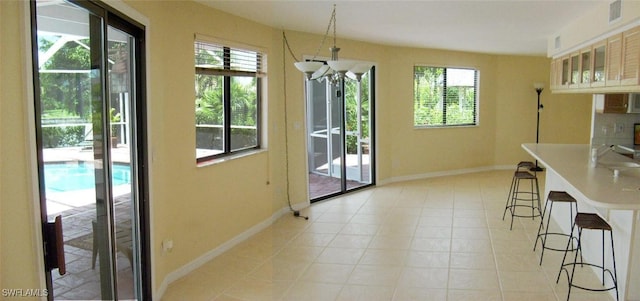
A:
[(564, 119), (415, 151), (200, 208)]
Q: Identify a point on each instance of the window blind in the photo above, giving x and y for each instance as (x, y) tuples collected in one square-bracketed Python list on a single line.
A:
[(220, 60)]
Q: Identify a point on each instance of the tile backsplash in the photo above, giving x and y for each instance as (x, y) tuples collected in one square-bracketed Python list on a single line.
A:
[(613, 128)]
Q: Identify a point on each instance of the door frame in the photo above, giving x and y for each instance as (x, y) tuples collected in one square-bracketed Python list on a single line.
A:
[(120, 12)]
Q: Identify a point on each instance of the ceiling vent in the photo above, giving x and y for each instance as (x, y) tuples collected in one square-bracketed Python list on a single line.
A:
[(615, 10)]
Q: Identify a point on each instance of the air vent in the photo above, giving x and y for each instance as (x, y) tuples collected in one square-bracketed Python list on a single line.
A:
[(615, 9), (557, 42)]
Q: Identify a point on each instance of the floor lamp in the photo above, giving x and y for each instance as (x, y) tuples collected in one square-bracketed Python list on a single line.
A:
[(539, 87)]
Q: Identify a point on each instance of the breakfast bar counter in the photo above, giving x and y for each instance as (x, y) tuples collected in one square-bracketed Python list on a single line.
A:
[(615, 197)]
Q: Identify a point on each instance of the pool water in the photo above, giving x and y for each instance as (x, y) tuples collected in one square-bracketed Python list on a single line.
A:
[(72, 176)]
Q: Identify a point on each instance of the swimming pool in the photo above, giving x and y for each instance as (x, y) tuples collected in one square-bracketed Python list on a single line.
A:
[(72, 176)]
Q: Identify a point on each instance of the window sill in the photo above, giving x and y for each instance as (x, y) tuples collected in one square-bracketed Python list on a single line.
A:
[(230, 157), (418, 127)]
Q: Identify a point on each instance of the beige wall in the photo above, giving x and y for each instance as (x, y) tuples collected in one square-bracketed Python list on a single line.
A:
[(200, 208)]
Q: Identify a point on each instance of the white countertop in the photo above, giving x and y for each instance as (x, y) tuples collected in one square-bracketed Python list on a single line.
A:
[(602, 189)]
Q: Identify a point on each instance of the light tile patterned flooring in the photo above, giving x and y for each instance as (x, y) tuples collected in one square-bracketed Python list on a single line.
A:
[(434, 239)]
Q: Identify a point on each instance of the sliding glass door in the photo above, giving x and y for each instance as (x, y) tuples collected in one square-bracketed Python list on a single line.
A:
[(340, 127), (89, 115)]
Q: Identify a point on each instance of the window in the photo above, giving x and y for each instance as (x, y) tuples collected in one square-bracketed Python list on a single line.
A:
[(228, 96), (445, 96)]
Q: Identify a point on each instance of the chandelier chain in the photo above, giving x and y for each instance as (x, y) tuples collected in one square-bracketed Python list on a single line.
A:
[(326, 33), (333, 17), (332, 20)]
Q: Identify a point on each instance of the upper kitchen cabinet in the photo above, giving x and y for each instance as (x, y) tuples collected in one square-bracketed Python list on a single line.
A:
[(615, 103), (630, 57), (614, 60), (580, 70), (611, 65)]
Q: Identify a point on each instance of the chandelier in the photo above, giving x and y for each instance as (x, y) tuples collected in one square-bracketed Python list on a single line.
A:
[(334, 70)]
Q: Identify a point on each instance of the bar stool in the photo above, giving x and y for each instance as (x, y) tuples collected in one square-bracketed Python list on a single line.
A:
[(513, 198), (560, 197), (590, 221)]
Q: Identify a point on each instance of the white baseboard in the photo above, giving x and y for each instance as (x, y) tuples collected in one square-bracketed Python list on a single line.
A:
[(198, 262), (445, 173)]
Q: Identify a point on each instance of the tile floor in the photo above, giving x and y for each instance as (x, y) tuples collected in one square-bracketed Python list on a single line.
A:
[(433, 239)]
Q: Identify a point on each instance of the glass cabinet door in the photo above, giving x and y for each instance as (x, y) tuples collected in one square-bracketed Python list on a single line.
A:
[(599, 55), (565, 71), (585, 67), (575, 71)]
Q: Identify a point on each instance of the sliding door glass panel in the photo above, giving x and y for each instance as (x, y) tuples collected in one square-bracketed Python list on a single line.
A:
[(319, 112), (85, 89), (73, 145), (357, 116), (336, 134), (121, 61)]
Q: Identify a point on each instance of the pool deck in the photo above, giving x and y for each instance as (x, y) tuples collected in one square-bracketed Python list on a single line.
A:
[(120, 154)]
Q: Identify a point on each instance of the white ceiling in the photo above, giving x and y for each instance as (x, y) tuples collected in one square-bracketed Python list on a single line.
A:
[(499, 27)]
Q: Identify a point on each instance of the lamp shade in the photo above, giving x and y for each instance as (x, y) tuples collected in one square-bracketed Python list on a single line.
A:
[(361, 68), (358, 70), (308, 67), (322, 71), (538, 86), (341, 66)]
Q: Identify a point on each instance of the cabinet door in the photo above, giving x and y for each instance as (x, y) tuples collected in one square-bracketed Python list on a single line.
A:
[(615, 103), (630, 57), (565, 69), (614, 60), (599, 59), (553, 79), (575, 70), (586, 64), (556, 74)]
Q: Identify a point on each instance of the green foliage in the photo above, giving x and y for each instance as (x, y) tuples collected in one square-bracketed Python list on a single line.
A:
[(67, 91), (431, 99), (114, 117), (210, 105), (209, 110), (55, 136), (351, 107)]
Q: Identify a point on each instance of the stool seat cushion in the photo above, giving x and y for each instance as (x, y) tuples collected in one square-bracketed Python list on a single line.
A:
[(591, 221), (527, 164), (524, 175), (560, 196)]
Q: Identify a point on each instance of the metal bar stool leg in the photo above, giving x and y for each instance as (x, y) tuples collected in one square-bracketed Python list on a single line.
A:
[(590, 221)]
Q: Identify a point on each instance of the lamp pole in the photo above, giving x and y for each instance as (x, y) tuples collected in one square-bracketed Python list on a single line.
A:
[(539, 87)]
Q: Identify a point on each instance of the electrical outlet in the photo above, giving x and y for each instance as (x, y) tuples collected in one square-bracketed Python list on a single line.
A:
[(618, 128), (167, 245)]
